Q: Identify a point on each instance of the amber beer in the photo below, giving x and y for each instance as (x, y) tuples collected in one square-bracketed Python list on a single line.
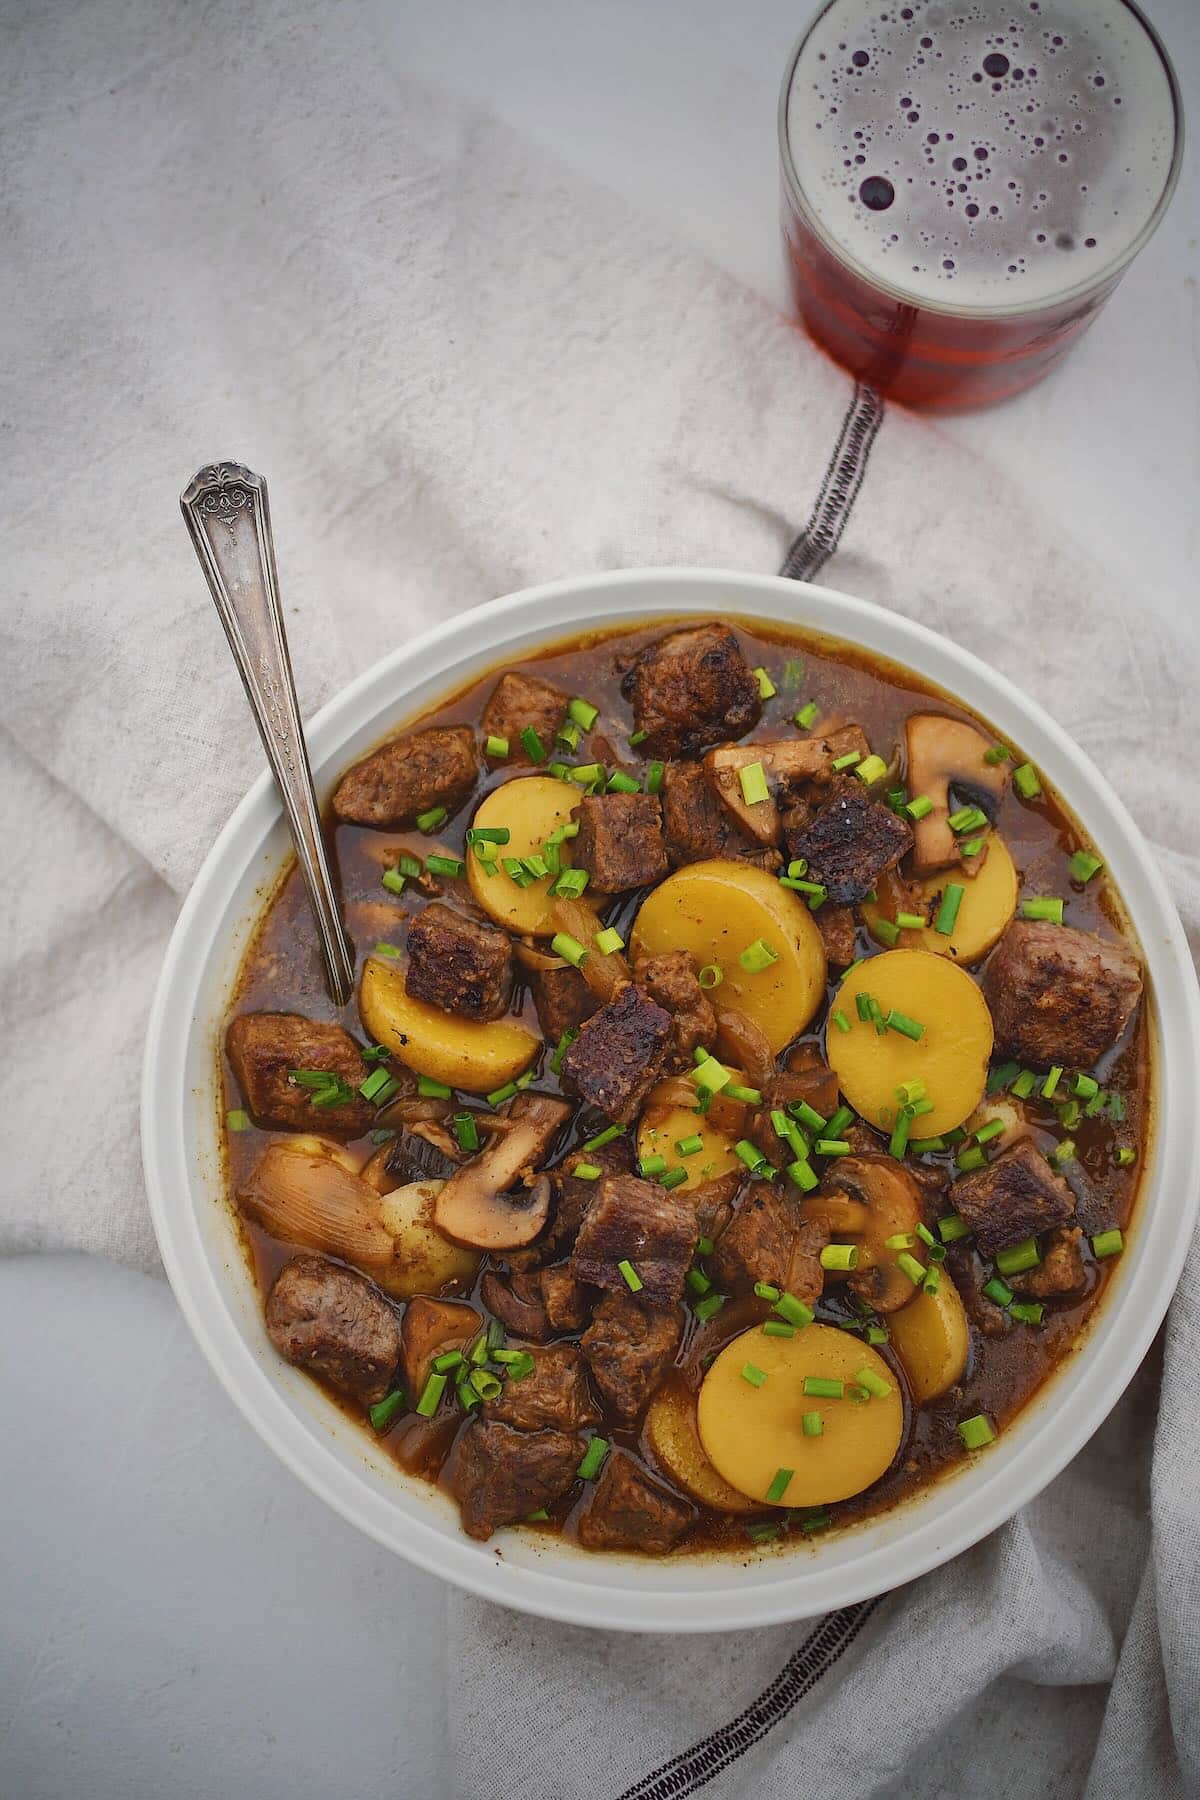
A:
[(965, 182)]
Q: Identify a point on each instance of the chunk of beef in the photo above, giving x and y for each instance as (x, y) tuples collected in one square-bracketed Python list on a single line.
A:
[(641, 1223), (566, 1300), (520, 702), (692, 689), (264, 1047), (1060, 1271), (696, 823), (459, 964), (517, 1301), (1016, 1197), (330, 1320), (629, 1347), (500, 1475), (572, 1197), (768, 1239), (389, 788), (554, 1394), (839, 932), (620, 841), (619, 1054), (670, 979), (630, 1510), (848, 842), (1058, 995), (562, 999)]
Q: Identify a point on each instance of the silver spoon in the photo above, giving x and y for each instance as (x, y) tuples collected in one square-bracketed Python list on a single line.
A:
[(229, 520)]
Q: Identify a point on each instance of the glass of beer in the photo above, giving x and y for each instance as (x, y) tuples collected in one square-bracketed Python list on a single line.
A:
[(965, 182)]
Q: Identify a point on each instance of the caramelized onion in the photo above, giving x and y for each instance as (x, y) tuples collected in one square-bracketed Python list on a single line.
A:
[(308, 1196), (605, 975), (741, 1041)]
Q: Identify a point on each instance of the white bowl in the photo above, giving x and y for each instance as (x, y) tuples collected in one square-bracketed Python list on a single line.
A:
[(337, 1460)]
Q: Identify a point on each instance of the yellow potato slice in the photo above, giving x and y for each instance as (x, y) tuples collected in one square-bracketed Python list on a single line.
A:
[(530, 807), (750, 1433), (717, 909), (951, 1056), (931, 1338), (477, 1058), (988, 903), (424, 1262), (674, 1443), (662, 1128)]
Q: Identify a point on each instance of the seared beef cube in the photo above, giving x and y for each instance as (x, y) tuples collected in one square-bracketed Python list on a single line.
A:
[(1058, 995), (517, 1301), (520, 703), (566, 1300), (849, 843), (554, 1394), (562, 1000), (1060, 1271), (410, 776), (572, 1197), (768, 1240), (671, 980), (692, 689), (640, 1223), (459, 964), (696, 822), (839, 931), (629, 1510), (620, 841), (500, 1475), (330, 1320), (264, 1047), (1015, 1197), (629, 1348), (619, 1054)]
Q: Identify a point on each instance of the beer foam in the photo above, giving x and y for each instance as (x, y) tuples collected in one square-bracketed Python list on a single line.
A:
[(981, 153)]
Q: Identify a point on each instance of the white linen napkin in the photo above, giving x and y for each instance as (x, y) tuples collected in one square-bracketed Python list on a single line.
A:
[(242, 232)]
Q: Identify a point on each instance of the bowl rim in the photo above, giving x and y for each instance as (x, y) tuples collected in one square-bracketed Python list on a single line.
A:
[(631, 1593)]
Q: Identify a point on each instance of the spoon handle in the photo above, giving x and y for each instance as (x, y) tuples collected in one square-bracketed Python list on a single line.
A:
[(228, 518)]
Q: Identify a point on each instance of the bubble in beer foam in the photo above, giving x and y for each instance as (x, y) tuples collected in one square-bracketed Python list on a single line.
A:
[(981, 151)]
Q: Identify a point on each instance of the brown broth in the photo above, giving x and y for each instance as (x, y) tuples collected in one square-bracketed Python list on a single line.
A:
[(282, 973)]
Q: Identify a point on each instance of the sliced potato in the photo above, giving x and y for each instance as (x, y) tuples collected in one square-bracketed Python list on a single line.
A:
[(750, 1433), (988, 903), (476, 1058), (423, 1261), (931, 1338), (530, 808), (951, 1056), (663, 1125), (717, 909), (674, 1443)]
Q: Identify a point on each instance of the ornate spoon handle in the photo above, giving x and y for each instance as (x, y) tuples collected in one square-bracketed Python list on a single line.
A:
[(229, 520)]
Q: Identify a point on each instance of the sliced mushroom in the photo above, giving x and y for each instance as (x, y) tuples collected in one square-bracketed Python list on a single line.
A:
[(472, 1207), (943, 754), (741, 1041), (303, 1192), (605, 975), (876, 1199), (759, 819), (428, 1329)]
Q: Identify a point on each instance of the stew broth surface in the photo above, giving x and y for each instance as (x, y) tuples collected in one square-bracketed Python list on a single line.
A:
[(282, 973)]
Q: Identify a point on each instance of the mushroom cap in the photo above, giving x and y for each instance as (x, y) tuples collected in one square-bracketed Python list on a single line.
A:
[(942, 753), (875, 1199), (475, 1208)]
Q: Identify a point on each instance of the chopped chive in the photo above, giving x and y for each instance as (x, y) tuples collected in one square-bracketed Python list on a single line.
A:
[(766, 1290), (807, 715), (886, 932), (449, 1359), (711, 976), (385, 1410), (871, 769), (609, 1135), (499, 1095), (779, 1486), (840, 1020), (826, 1146), (429, 821), (698, 1281), (837, 1125), (608, 940), (709, 1307), (971, 1156), (909, 1092), (1126, 1157), (393, 881), (587, 774), (1029, 1313), (704, 1246), (1025, 780), (466, 1131), (1002, 1077), (376, 1080), (1069, 1115), (446, 865), (560, 1049), (467, 1397), (431, 1395), (862, 1005), (1051, 1082), (586, 1171), (794, 1312), (409, 865), (793, 672), (1024, 1084), (999, 1291), (1116, 1107), (391, 950), (947, 912), (952, 1228), (898, 1142), (803, 1174), (926, 1146), (431, 1089), (570, 883), (1042, 907), (766, 687), (840, 1256), (689, 1146), (908, 921), (915, 1271), (753, 1374), (629, 1276), (237, 1120), (997, 754), (673, 1178), (750, 1096), (1019, 1257), (636, 738), (750, 1154), (778, 1328), (569, 948), (971, 846), (534, 747), (976, 1433), (621, 783), (712, 1075), (1084, 1087), (824, 1387), (763, 1534), (758, 956), (991, 1130), (651, 1165), (807, 1115), (1084, 865), (568, 734), (654, 777), (909, 1028), (593, 1456), (848, 761), (496, 747), (1108, 1243), (1063, 1153), (875, 1385), (919, 807), (754, 784), (582, 712)]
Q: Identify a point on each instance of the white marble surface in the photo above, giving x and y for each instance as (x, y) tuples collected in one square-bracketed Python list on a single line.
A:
[(177, 1616)]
